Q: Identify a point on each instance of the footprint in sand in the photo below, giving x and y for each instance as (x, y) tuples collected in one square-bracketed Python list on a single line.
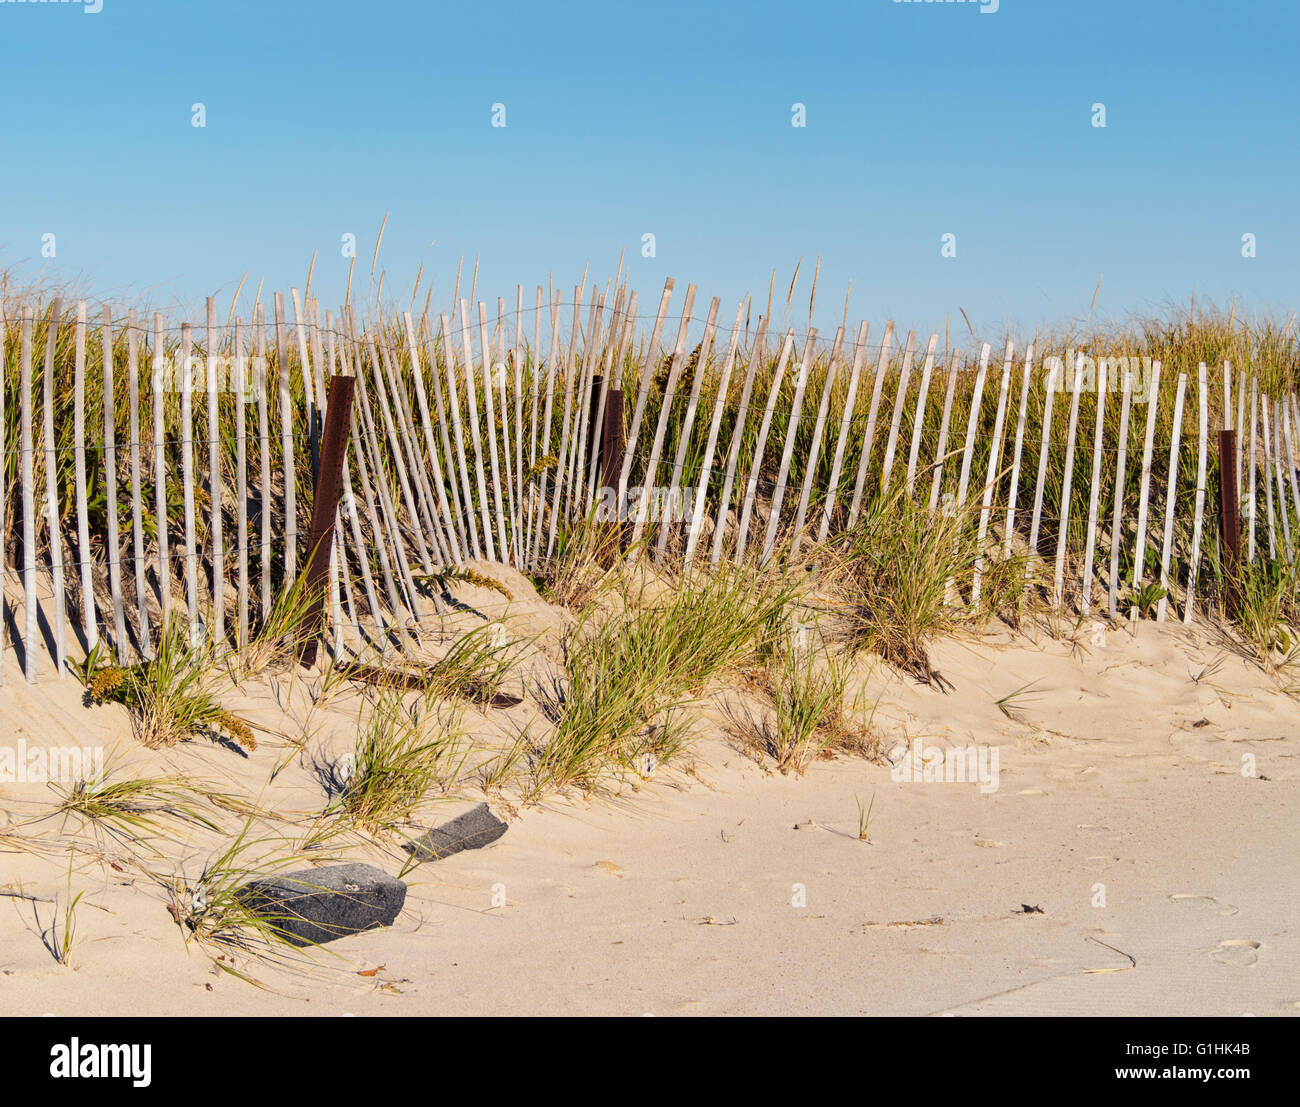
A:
[(1239, 952), (1225, 909)]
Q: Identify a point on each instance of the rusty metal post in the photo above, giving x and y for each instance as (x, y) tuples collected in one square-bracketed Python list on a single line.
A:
[(1229, 518), (612, 445), (325, 504), (612, 439)]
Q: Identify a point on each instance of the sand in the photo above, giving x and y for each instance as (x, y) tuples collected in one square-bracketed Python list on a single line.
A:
[(1159, 861)]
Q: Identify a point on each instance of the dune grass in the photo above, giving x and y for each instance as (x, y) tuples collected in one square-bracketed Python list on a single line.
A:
[(901, 566), (629, 670), (134, 810), (170, 696), (407, 747)]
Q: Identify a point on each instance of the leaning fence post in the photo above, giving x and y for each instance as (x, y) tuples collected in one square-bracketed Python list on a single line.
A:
[(325, 503), (1229, 518)]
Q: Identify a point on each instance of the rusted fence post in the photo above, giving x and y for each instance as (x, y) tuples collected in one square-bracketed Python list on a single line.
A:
[(325, 503), (1229, 519), (612, 446)]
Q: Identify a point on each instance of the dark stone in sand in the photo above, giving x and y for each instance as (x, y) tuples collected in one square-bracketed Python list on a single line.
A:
[(318, 905), (473, 830)]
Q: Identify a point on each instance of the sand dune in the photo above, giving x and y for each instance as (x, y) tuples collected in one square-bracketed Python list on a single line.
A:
[(1124, 809)]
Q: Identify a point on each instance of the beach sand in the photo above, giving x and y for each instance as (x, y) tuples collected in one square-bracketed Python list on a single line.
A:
[(1125, 809)]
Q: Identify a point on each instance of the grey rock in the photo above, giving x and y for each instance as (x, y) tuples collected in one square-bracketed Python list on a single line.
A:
[(474, 829), (311, 906)]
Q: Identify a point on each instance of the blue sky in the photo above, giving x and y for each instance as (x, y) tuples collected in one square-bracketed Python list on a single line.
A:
[(672, 119)]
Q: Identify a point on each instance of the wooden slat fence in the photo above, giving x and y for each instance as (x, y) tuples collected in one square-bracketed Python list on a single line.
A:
[(155, 470)]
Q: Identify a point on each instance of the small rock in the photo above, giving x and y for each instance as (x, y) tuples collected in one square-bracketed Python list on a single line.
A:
[(475, 829), (318, 905)]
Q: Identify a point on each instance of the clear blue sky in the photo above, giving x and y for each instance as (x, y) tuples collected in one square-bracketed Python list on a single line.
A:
[(672, 119)]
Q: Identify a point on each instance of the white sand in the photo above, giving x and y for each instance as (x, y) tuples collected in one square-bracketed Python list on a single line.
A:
[(684, 897)]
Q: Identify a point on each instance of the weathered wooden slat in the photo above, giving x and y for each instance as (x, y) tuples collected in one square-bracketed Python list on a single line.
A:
[(28, 478), (941, 443), (648, 367), (431, 447), (308, 391), (1044, 450), (161, 375), (489, 410), (1144, 491), (499, 373), (358, 539), (401, 441), (846, 422), (566, 427), (1241, 429), (1117, 512), (590, 354), (241, 385), (547, 416), (187, 482), (114, 552), (215, 489), (667, 521), (382, 541), (1171, 499), (918, 421), (4, 489), (1202, 448), (1009, 527), (649, 484), (900, 399), (868, 439), (1271, 469), (756, 465), (133, 336), (519, 425), (471, 394), (737, 436), (972, 425), (581, 387), (264, 459), (287, 450), (449, 364), (85, 561), (1094, 490), (532, 480), (710, 446), (1287, 437), (52, 514), (609, 344), (1251, 501), (461, 513), (391, 530), (787, 453), (1067, 482), (814, 447), (991, 476)]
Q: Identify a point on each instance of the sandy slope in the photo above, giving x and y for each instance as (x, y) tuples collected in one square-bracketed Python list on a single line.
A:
[(720, 887)]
